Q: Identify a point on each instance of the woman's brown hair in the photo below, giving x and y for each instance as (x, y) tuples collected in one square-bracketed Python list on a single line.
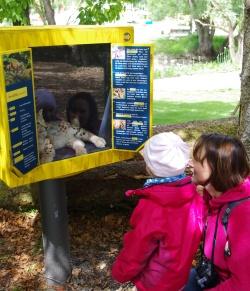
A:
[(227, 158)]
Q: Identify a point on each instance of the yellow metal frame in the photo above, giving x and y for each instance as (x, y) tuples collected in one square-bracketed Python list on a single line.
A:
[(22, 38)]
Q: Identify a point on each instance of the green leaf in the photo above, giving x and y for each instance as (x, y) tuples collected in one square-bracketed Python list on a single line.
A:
[(99, 12)]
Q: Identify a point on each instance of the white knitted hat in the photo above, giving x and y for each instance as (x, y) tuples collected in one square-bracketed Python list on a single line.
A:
[(166, 154)]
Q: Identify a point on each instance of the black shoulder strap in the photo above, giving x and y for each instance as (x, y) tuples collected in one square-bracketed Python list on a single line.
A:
[(229, 208)]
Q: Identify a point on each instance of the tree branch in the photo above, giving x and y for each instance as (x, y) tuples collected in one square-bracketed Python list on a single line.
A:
[(211, 25), (220, 8)]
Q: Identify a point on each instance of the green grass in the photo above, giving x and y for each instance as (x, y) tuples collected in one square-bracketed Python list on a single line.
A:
[(184, 45), (165, 112), (219, 42), (176, 47)]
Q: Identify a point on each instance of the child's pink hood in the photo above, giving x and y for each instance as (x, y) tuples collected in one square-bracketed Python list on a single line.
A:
[(173, 194)]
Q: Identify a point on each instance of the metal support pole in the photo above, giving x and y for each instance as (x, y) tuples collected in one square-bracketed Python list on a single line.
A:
[(53, 205)]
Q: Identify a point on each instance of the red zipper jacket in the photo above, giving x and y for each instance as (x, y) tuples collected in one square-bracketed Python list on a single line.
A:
[(234, 271), (166, 231)]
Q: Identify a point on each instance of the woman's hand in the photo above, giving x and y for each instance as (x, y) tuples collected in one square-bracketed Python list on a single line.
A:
[(200, 189)]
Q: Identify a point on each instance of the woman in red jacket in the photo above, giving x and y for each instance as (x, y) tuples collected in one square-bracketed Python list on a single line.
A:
[(221, 167), (166, 224)]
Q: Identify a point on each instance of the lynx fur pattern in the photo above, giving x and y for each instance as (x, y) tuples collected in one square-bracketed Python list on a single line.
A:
[(61, 133), (45, 147)]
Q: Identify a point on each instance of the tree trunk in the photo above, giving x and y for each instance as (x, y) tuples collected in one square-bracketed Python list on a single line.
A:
[(39, 8), (49, 12), (239, 40), (235, 46), (205, 32), (205, 35), (244, 120), (231, 45)]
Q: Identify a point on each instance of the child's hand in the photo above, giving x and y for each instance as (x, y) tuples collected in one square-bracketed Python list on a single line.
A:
[(200, 189)]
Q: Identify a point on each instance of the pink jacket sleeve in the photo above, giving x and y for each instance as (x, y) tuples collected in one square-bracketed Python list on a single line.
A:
[(239, 261), (138, 244)]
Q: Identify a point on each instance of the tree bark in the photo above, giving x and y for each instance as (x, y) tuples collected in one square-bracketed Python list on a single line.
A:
[(39, 8), (205, 35), (205, 32), (49, 12), (244, 118)]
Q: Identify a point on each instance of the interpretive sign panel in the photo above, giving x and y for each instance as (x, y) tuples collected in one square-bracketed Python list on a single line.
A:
[(17, 71), (131, 95)]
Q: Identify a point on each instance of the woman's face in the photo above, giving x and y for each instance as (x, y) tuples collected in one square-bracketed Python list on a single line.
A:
[(81, 111), (84, 112), (201, 172)]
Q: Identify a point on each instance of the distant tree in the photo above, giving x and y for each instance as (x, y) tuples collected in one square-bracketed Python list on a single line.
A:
[(227, 15), (157, 10), (204, 26), (90, 12), (162, 8), (101, 11), (49, 11), (207, 15), (195, 9), (15, 12), (46, 9)]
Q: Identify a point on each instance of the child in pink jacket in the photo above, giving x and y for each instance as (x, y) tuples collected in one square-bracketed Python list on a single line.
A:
[(167, 222)]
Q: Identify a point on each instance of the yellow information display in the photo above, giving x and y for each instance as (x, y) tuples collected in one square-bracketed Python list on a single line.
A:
[(72, 99)]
